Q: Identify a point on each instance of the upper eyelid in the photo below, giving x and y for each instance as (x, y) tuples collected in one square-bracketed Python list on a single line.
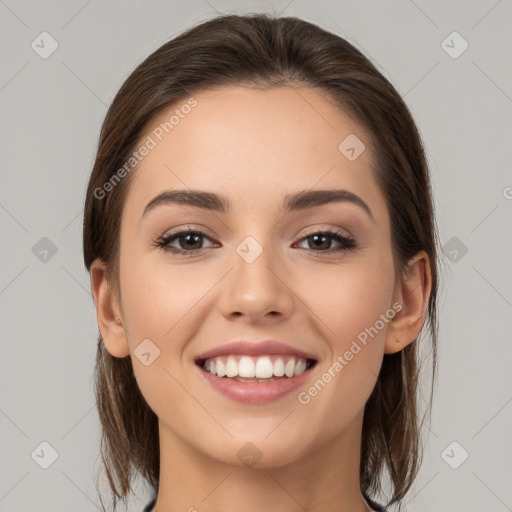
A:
[(343, 231), (203, 229), (186, 229)]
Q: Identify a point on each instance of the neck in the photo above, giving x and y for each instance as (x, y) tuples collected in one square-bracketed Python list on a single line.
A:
[(325, 478)]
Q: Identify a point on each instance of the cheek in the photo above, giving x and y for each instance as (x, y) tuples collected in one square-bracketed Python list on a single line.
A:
[(352, 299), (162, 303), (354, 312), (156, 297), (158, 301)]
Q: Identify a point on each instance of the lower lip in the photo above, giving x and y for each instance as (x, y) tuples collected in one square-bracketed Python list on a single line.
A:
[(254, 392)]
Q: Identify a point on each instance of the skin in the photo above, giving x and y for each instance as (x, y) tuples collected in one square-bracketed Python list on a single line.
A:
[(255, 147)]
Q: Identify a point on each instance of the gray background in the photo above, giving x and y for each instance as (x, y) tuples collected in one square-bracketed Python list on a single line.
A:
[(51, 114)]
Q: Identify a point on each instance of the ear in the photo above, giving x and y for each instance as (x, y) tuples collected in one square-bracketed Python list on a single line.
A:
[(413, 296), (110, 321)]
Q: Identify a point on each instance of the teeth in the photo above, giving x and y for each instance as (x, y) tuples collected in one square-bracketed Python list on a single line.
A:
[(289, 368), (262, 369), (243, 379), (221, 371), (231, 367), (246, 367), (299, 367), (278, 368)]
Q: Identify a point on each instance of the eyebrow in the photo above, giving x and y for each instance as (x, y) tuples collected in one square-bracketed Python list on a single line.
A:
[(292, 202)]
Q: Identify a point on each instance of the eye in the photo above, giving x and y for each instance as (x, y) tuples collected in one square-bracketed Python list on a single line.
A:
[(189, 241), (322, 240)]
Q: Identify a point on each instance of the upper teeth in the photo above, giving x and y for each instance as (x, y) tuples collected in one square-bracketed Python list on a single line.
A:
[(259, 367)]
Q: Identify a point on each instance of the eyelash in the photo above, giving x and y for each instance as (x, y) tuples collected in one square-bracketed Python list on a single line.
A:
[(348, 243)]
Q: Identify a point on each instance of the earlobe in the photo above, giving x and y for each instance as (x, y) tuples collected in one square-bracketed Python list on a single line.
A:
[(108, 312), (413, 296)]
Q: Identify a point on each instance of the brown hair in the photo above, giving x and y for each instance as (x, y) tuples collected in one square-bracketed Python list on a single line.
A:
[(264, 51)]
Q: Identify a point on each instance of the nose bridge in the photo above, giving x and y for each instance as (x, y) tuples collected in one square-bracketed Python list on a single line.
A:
[(255, 287)]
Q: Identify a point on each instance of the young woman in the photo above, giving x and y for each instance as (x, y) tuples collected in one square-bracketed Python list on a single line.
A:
[(260, 236)]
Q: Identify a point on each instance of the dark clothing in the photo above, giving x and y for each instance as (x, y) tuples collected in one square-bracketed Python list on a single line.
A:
[(150, 506)]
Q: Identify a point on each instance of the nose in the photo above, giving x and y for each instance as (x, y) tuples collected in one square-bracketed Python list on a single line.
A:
[(256, 289)]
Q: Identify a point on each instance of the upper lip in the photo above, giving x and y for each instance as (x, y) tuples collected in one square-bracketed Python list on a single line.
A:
[(249, 348)]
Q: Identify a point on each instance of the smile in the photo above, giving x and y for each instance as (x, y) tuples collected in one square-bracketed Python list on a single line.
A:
[(253, 379)]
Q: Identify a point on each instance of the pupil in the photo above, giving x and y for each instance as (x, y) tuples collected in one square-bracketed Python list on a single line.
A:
[(189, 238), (316, 238)]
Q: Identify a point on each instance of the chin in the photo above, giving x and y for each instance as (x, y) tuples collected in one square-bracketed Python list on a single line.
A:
[(261, 452)]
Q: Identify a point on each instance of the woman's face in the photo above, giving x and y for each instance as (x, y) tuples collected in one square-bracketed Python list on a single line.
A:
[(256, 271)]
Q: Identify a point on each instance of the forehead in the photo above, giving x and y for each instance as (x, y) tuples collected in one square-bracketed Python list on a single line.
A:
[(252, 143)]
